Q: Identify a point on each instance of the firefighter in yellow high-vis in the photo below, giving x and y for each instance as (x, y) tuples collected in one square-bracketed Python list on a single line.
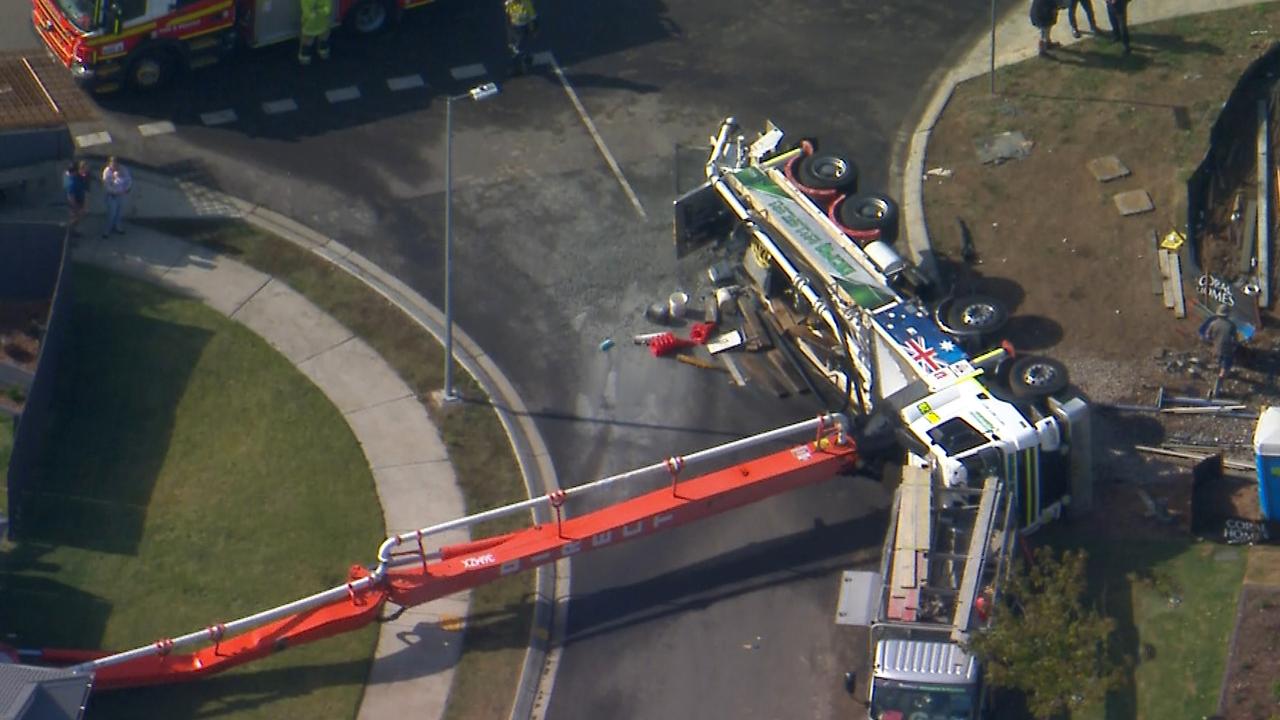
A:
[(522, 22), (316, 15)]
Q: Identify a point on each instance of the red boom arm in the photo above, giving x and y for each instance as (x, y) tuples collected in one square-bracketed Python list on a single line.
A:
[(464, 566)]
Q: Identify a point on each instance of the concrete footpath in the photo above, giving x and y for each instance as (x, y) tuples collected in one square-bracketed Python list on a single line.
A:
[(417, 651), (1015, 41)]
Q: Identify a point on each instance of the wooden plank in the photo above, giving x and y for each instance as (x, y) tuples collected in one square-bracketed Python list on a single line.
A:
[(759, 372), (736, 372), (975, 558), (787, 374), (1175, 282), (1157, 277), (910, 567), (1249, 239), (1264, 204), (756, 337), (1166, 288)]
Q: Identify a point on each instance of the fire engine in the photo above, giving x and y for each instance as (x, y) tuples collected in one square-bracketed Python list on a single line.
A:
[(107, 44)]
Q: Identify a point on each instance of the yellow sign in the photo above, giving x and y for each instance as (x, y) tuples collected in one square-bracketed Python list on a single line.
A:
[(1173, 241)]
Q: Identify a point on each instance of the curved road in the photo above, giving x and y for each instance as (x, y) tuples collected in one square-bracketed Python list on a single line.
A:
[(731, 617)]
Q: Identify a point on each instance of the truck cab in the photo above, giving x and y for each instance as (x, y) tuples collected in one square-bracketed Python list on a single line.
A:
[(924, 680)]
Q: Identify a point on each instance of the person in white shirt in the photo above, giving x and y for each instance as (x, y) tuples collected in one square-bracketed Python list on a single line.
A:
[(116, 184)]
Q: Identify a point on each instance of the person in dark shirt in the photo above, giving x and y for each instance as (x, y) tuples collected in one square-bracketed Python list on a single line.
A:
[(75, 183), (1044, 15), (1221, 332)]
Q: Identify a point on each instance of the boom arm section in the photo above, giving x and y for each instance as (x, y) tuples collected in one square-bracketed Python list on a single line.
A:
[(418, 575)]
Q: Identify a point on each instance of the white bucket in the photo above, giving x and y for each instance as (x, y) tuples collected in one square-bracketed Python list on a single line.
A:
[(724, 298), (676, 304)]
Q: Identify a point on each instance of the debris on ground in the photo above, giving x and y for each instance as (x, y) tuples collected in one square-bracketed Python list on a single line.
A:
[(997, 149)]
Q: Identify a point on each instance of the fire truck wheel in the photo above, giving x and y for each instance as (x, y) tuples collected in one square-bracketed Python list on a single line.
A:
[(152, 69), (368, 17), (1034, 377), (976, 314), (872, 211), (827, 171)]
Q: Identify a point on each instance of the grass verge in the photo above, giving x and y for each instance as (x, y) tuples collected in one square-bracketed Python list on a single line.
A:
[(194, 476), (1174, 603), (501, 612)]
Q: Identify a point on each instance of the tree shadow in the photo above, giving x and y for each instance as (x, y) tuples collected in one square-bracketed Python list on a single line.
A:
[(121, 378)]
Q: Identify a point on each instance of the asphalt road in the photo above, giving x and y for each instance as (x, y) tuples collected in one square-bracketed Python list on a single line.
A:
[(730, 617)]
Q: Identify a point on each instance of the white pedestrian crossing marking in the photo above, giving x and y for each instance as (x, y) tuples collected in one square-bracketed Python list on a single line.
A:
[(466, 72), (162, 127), (220, 117), (277, 107), (91, 139), (342, 94), (405, 82)]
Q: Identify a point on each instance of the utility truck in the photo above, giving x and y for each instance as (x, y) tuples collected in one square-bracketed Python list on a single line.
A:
[(107, 44), (992, 445)]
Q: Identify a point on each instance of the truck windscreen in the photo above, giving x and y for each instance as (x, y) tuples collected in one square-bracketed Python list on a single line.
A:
[(893, 700), (79, 12)]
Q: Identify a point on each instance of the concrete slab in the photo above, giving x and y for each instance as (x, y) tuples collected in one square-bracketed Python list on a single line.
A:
[(222, 284), (418, 495), (1107, 168), (354, 376), (290, 323), (397, 433), (1134, 202)]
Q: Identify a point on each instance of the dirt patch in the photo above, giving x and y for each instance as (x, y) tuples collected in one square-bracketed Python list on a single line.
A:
[(21, 327), (1082, 280), (1252, 687)]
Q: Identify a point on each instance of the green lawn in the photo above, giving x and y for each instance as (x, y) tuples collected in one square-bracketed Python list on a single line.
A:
[(501, 612), (193, 476), (1179, 649)]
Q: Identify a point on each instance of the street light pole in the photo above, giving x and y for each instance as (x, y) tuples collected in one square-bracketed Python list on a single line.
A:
[(479, 92)]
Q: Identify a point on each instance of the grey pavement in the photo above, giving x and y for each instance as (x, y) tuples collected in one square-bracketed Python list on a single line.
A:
[(1015, 41), (417, 651)]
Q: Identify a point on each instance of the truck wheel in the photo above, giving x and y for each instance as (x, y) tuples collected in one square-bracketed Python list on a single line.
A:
[(868, 216), (827, 171), (368, 17), (1035, 377), (152, 70), (976, 314)]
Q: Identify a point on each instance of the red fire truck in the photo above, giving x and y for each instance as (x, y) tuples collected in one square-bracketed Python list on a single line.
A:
[(142, 43)]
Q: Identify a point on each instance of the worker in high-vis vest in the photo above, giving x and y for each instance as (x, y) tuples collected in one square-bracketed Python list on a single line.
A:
[(522, 22), (316, 15)]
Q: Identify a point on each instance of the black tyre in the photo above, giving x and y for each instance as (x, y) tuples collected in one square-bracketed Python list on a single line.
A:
[(872, 212), (368, 17), (152, 69), (976, 315), (828, 171), (1036, 377)]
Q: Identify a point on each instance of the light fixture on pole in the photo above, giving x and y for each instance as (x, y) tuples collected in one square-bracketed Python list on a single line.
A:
[(479, 92)]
